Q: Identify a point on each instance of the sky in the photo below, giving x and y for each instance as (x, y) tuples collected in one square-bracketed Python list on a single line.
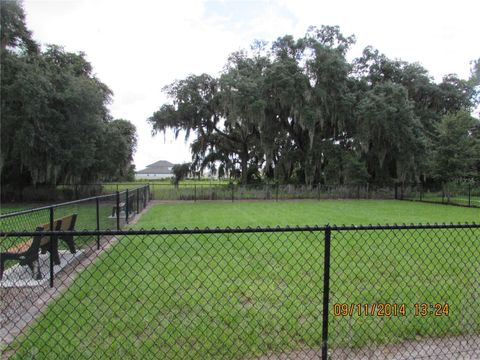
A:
[(137, 47)]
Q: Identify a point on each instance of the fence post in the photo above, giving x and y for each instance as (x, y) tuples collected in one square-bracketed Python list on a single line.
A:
[(143, 204), (469, 194), (138, 200), (98, 221), (326, 292), (195, 193), (276, 192), (318, 192), (233, 194), (127, 208), (118, 210), (52, 246)]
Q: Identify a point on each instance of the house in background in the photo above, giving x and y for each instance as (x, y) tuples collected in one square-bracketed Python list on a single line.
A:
[(158, 170)]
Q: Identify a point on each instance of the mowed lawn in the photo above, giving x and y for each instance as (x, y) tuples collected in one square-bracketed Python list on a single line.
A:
[(305, 212), (245, 295)]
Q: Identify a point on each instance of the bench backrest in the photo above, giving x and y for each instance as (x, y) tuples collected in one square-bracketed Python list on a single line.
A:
[(68, 222), (57, 224)]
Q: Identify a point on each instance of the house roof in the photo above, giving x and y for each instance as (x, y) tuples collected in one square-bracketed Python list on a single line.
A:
[(159, 167), (161, 163)]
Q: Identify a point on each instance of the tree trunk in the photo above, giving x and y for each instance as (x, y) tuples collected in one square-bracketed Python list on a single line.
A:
[(308, 169), (244, 165)]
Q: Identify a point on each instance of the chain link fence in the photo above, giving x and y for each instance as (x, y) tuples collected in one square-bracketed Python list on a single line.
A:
[(98, 212), (346, 292), (454, 193), (274, 192), (104, 212)]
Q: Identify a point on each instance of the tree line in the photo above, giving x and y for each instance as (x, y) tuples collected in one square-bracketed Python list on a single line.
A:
[(298, 112), (55, 124)]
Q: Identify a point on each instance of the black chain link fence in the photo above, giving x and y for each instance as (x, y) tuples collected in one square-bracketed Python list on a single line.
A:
[(454, 193), (97, 212), (100, 213), (349, 292), (276, 192)]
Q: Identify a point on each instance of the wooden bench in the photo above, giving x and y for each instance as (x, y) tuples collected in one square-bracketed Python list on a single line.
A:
[(67, 224), (123, 207), (27, 252)]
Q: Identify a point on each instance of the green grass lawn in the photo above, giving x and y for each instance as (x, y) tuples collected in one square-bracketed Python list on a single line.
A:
[(10, 207), (244, 295), (309, 212)]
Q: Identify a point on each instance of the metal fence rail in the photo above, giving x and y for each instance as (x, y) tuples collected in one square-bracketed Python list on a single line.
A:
[(459, 194), (325, 292), (275, 192), (103, 212), (96, 211), (455, 193)]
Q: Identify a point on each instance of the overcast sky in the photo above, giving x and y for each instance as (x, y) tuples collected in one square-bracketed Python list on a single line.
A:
[(136, 47)]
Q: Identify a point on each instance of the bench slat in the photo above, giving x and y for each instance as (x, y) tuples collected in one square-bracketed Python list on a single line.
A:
[(20, 247), (23, 246)]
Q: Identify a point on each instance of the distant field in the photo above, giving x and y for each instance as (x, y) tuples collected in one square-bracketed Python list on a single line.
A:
[(203, 296)]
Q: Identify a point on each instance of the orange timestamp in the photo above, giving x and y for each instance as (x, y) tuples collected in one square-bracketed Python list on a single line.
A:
[(390, 309)]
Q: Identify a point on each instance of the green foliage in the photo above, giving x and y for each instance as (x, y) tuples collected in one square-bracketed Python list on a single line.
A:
[(388, 133), (14, 34), (456, 148), (56, 127), (300, 112), (475, 80), (250, 116), (180, 172), (115, 152), (355, 170)]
